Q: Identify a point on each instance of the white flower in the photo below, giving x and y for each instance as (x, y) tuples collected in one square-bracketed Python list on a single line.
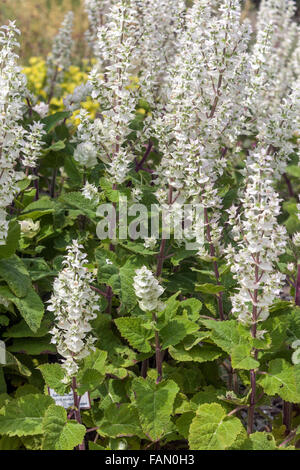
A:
[(42, 109), (86, 154), (74, 305), (33, 144), (90, 192), (29, 228), (80, 94), (296, 239), (136, 194), (290, 267), (148, 290), (150, 242)]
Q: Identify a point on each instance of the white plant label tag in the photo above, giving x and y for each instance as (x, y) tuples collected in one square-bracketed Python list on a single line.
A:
[(66, 401)]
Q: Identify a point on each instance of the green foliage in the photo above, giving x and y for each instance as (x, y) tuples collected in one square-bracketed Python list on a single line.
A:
[(154, 403), (58, 432), (212, 429)]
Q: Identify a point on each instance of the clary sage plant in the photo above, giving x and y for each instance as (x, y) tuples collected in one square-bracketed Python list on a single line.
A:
[(178, 326)]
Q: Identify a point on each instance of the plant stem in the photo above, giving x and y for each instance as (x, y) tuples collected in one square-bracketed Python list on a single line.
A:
[(139, 165), (158, 355), (159, 268), (288, 407), (297, 289), (287, 416), (251, 410), (77, 409), (53, 181), (289, 185), (36, 184), (216, 269)]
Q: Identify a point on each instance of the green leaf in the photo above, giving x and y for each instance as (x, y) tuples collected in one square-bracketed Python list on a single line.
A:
[(12, 240), (30, 307), (22, 330), (155, 405), (89, 381), (176, 330), (199, 353), (24, 416), (12, 361), (120, 420), (209, 288), (234, 339), (184, 422), (283, 379), (59, 433), (32, 346), (212, 429), (56, 147), (95, 360), (50, 122), (127, 273), (53, 375), (259, 441), (77, 200), (13, 271), (131, 328), (39, 208), (38, 268), (241, 359), (293, 170)]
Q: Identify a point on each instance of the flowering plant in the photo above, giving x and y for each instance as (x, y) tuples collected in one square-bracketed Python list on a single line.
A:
[(187, 335)]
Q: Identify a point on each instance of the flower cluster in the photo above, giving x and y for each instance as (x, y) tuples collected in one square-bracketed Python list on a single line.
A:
[(12, 134), (160, 22), (148, 290), (204, 102), (74, 305), (273, 91), (59, 59), (33, 144), (96, 10), (259, 241), (110, 78), (90, 192)]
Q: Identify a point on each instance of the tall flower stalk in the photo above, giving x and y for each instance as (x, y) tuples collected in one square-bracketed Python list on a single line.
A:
[(258, 242), (59, 59), (148, 290), (16, 142)]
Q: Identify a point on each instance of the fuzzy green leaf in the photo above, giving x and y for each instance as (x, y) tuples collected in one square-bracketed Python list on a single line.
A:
[(13, 271), (30, 307), (283, 379), (131, 328), (120, 420), (53, 375), (59, 433), (24, 416), (155, 405), (211, 429)]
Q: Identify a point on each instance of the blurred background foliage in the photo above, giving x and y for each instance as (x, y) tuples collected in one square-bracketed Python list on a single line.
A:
[(39, 21)]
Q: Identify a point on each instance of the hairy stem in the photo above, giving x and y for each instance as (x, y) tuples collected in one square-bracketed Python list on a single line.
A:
[(251, 410), (77, 408)]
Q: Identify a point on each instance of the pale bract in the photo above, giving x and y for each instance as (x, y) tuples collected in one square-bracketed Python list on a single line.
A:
[(148, 290), (74, 305)]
